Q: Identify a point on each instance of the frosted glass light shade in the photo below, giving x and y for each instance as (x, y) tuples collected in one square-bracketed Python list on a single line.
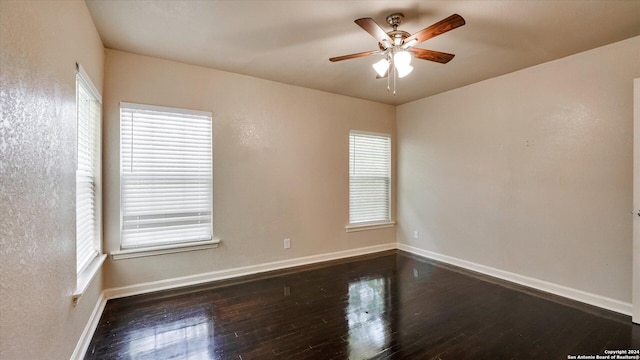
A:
[(402, 58), (404, 70), (381, 67)]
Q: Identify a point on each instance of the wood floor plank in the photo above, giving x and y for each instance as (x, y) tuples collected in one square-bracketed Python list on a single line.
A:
[(391, 306)]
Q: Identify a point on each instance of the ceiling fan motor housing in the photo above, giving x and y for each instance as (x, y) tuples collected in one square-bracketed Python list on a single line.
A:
[(398, 36)]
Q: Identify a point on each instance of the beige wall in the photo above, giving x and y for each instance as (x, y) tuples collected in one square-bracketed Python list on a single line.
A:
[(41, 42), (530, 172), (280, 165)]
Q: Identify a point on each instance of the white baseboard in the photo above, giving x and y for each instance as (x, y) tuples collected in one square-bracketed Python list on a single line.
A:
[(196, 279), (87, 334), (560, 290)]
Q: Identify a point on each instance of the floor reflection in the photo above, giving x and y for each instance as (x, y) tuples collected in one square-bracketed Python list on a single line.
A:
[(391, 307), (368, 328), (190, 338)]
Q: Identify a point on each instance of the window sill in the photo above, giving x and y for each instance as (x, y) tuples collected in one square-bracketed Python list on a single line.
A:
[(86, 276), (165, 249), (369, 226)]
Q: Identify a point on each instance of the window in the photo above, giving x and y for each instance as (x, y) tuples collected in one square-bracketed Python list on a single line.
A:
[(166, 176), (369, 178), (88, 104)]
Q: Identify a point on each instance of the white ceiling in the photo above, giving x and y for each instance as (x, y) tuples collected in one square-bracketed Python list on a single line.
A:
[(291, 41)]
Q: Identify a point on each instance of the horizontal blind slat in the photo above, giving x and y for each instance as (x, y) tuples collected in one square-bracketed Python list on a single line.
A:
[(369, 177), (166, 168), (88, 123)]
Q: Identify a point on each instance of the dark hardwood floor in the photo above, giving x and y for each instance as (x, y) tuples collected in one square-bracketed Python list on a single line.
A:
[(391, 306)]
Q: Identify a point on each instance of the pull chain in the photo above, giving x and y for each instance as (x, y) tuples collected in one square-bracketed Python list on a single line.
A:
[(394, 81)]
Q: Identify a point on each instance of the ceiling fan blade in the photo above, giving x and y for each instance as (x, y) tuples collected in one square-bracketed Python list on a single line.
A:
[(353, 56), (372, 27), (436, 29), (431, 55)]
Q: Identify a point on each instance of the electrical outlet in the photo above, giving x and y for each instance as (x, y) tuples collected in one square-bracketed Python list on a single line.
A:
[(287, 243), (416, 234)]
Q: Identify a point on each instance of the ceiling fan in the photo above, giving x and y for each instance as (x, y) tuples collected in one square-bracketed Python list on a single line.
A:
[(397, 46)]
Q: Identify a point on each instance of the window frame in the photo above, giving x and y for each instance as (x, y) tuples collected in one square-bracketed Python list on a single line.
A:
[(86, 273), (373, 224), (133, 251)]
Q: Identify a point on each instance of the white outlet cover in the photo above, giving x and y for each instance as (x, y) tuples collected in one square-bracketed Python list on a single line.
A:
[(416, 234)]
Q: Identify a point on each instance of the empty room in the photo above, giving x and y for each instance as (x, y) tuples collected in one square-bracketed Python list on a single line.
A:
[(306, 179)]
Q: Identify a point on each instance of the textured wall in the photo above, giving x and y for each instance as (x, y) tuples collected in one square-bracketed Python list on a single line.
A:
[(530, 172), (41, 42), (280, 158)]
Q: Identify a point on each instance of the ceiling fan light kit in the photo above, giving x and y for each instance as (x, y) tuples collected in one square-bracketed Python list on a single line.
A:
[(381, 67), (403, 71), (397, 46), (402, 57)]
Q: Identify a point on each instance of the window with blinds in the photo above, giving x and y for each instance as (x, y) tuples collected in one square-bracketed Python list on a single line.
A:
[(88, 107), (369, 177), (166, 176)]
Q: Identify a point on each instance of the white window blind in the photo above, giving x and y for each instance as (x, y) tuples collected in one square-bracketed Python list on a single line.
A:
[(88, 137), (166, 176), (369, 177)]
